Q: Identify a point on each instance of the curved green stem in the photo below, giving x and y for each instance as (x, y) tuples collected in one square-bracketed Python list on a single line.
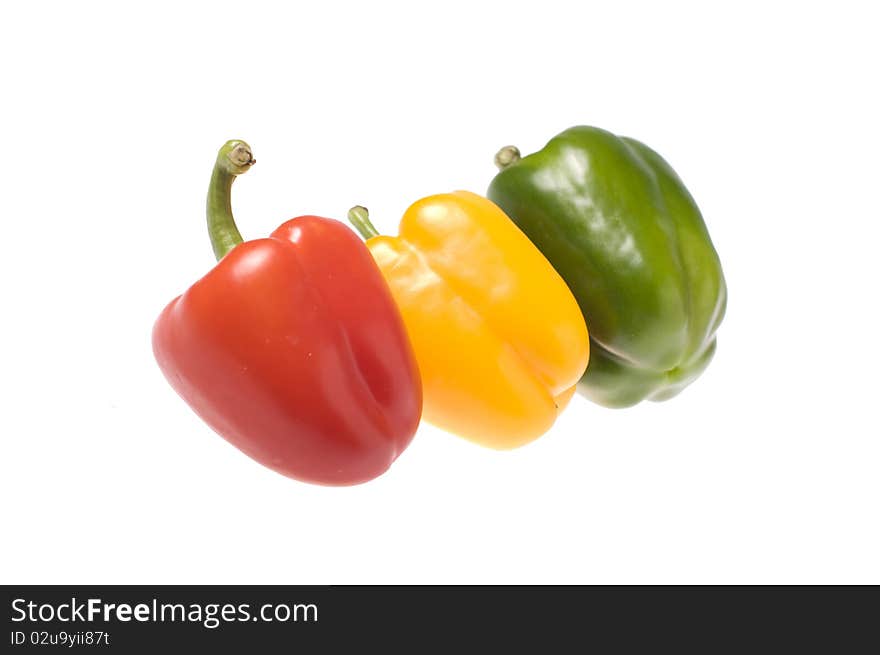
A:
[(360, 218), (234, 158), (507, 156)]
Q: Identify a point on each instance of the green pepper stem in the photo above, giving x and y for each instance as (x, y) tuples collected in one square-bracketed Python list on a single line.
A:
[(234, 158), (360, 217), (507, 156)]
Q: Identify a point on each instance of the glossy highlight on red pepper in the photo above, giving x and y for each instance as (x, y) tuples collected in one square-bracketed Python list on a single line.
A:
[(292, 348)]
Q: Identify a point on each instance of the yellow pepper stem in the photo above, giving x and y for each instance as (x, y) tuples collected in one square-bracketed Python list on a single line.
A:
[(360, 217)]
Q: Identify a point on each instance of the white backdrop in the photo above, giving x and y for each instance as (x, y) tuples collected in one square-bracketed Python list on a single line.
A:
[(764, 471)]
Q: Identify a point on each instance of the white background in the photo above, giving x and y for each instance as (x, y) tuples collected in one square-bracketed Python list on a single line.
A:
[(764, 471)]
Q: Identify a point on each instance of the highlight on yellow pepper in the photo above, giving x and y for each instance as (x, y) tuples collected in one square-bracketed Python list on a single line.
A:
[(499, 338)]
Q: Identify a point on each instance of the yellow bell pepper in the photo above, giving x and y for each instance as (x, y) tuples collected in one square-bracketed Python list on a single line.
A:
[(499, 338)]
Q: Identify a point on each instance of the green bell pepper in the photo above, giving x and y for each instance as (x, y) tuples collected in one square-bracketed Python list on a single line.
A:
[(622, 230)]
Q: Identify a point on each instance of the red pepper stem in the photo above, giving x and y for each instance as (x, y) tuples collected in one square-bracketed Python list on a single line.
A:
[(507, 156), (360, 217), (234, 158)]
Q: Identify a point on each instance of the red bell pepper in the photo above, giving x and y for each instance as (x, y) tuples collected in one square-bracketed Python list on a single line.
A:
[(292, 348)]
